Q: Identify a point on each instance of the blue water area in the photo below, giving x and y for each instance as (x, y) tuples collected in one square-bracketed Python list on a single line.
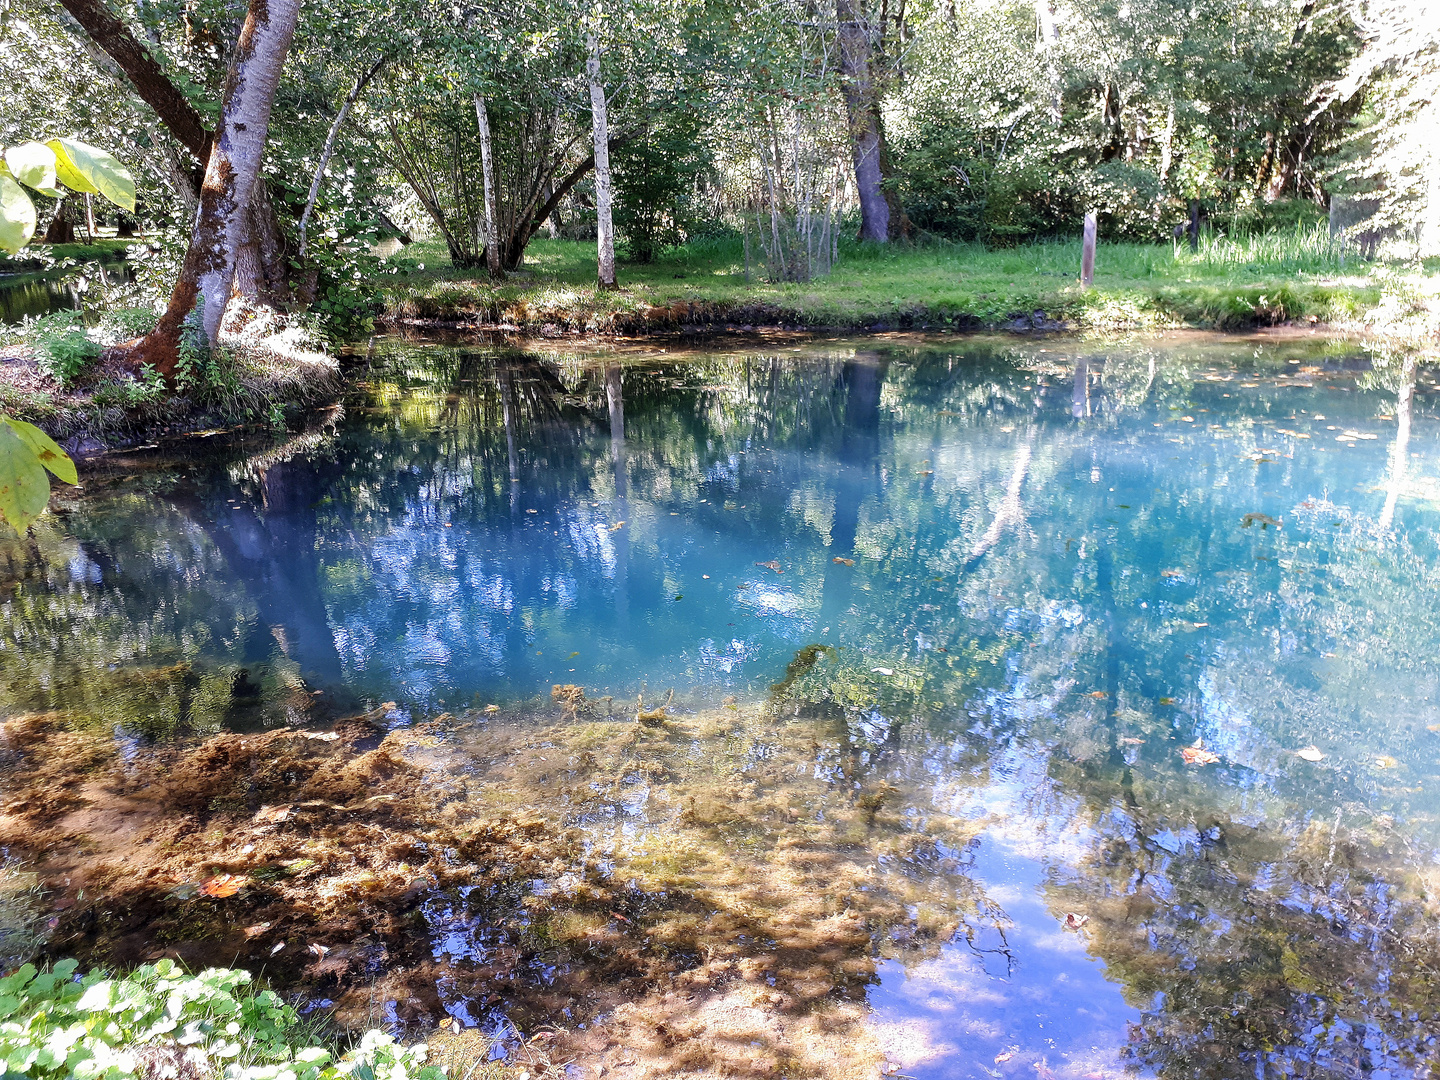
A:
[(1157, 619)]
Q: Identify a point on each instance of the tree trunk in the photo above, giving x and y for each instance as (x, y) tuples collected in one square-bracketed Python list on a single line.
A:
[(604, 228), (487, 173), (329, 147), (148, 78), (224, 219), (881, 217), (1049, 32)]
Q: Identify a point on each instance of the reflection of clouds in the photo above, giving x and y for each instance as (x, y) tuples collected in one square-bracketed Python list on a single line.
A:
[(734, 654), (767, 599)]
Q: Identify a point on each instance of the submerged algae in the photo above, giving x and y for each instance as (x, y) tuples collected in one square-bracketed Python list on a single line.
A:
[(715, 892)]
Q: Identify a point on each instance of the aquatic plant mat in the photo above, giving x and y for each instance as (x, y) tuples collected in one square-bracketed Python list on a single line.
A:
[(706, 893), (709, 886)]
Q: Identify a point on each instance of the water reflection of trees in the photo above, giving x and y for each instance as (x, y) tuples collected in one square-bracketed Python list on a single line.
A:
[(1048, 555)]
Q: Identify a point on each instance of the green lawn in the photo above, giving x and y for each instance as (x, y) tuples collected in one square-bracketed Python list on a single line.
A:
[(1262, 281)]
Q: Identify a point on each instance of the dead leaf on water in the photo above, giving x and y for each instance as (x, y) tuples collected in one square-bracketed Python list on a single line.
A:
[(1003, 1056), (222, 885), (1167, 701), (883, 670), (272, 814), (1311, 753), (1074, 920), (1130, 740), (1385, 761), (492, 708), (773, 564), (320, 950), (1172, 573), (1263, 520), (843, 562), (1098, 693), (256, 930), (1198, 755)]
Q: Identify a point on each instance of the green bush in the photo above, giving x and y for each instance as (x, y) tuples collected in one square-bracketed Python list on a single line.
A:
[(62, 349), (158, 1020)]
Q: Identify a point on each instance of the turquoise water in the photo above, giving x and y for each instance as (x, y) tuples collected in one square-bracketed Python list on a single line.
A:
[(1042, 571)]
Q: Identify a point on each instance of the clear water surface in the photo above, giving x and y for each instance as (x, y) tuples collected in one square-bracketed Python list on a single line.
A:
[(1159, 619)]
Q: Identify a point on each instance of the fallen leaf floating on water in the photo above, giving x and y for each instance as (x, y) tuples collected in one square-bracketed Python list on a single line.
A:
[(454, 1026), (1003, 1056), (1311, 753), (1385, 761), (617, 915), (1167, 701), (222, 885), (773, 564), (1130, 740), (883, 670), (1263, 520), (278, 946), (1074, 920), (1198, 755), (843, 562), (272, 814), (1098, 693), (492, 708), (256, 930), (320, 950), (1172, 573)]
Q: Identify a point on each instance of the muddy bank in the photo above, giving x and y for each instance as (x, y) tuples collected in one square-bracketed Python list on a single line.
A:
[(665, 894)]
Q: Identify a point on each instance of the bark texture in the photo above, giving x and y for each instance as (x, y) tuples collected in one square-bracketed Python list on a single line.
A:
[(148, 78), (881, 216), (604, 225), (487, 171), (225, 222)]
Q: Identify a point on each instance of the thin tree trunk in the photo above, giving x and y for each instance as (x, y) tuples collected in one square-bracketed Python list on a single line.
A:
[(604, 228), (1049, 32), (223, 221), (487, 170), (329, 147)]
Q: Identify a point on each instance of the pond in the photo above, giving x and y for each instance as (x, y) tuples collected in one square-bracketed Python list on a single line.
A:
[(942, 706)]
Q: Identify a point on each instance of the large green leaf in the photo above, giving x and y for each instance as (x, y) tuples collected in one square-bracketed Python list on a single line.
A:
[(24, 487), (17, 216), (84, 168), (46, 450), (33, 164)]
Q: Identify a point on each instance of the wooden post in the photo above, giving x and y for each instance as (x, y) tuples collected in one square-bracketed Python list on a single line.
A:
[(1087, 252)]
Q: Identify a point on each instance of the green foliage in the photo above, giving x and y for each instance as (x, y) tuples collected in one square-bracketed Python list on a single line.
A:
[(654, 173), (63, 349), (121, 393), (157, 1018), (26, 453)]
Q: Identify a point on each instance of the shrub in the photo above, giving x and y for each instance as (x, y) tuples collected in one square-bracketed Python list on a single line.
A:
[(62, 349), (159, 1020)]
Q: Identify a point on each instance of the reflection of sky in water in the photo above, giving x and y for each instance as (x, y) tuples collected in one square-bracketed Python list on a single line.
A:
[(1130, 605), (1016, 994)]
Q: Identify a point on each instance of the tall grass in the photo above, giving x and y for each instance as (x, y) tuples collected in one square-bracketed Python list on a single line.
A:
[(1305, 249)]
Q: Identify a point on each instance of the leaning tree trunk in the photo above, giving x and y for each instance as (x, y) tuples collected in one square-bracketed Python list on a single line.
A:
[(604, 228), (225, 220), (862, 111), (487, 175)]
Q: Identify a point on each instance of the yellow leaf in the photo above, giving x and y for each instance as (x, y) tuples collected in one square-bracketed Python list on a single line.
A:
[(17, 216), (33, 164), (92, 171)]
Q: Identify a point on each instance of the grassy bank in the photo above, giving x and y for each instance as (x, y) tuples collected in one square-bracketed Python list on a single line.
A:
[(1261, 281), (53, 373)]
